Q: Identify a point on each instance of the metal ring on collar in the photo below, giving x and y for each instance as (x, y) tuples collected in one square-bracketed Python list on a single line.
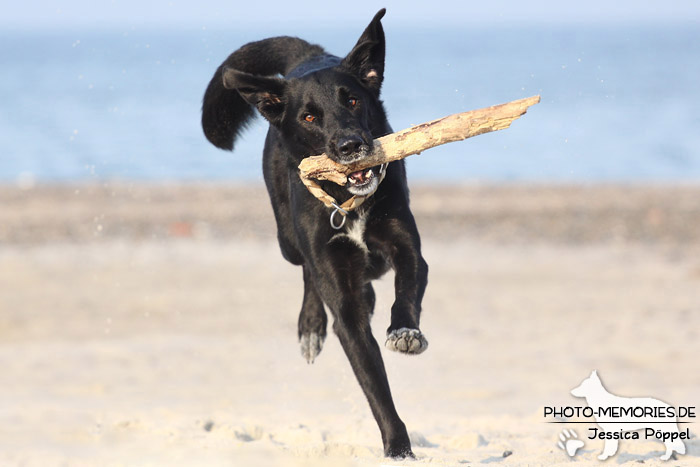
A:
[(343, 214), (340, 208)]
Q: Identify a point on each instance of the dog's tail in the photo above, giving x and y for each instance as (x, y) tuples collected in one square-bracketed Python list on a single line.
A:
[(224, 112)]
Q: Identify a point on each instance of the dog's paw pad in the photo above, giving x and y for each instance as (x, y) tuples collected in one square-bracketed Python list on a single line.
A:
[(311, 345), (406, 340)]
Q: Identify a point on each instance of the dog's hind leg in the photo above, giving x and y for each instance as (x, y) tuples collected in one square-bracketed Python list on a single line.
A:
[(675, 445), (312, 320)]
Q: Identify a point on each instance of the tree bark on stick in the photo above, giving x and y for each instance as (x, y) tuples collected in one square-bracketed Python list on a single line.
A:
[(416, 139)]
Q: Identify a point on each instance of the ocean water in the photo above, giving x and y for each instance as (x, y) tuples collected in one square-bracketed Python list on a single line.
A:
[(619, 103)]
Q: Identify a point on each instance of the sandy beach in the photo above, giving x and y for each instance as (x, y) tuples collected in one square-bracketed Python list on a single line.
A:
[(155, 324)]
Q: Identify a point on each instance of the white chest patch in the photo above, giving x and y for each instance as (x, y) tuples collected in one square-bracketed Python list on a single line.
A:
[(355, 232)]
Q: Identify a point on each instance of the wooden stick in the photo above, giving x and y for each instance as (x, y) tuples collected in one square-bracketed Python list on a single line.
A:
[(416, 139)]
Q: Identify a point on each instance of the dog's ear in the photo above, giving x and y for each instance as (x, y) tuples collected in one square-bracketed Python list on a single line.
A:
[(265, 93), (366, 59)]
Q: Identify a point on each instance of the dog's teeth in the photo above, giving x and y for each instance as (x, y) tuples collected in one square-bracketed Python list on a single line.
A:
[(352, 181), (369, 173)]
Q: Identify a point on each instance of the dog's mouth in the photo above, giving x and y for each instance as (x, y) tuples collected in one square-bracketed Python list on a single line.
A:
[(364, 182)]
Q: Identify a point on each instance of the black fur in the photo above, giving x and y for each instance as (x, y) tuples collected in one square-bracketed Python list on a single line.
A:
[(324, 104)]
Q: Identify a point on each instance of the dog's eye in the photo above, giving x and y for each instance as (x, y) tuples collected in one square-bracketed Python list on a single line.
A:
[(352, 102), (309, 118)]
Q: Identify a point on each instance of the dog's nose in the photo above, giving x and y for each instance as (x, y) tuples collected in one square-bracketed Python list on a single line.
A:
[(349, 145)]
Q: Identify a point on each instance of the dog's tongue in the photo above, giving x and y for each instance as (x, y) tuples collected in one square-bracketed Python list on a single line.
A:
[(361, 176)]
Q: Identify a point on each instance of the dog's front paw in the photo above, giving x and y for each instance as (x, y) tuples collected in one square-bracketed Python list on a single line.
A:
[(406, 340), (311, 345)]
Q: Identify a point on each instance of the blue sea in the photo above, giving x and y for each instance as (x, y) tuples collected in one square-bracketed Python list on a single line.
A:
[(619, 103)]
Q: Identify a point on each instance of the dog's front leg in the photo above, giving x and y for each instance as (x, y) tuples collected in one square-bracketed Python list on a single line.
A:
[(609, 449), (339, 277), (411, 279)]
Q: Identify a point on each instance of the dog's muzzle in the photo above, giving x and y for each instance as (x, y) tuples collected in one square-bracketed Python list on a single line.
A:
[(352, 149), (364, 182)]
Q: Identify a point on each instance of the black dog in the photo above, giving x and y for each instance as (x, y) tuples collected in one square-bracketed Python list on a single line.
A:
[(324, 104)]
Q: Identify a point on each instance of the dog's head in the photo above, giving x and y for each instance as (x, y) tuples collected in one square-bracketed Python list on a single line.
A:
[(588, 386), (334, 110)]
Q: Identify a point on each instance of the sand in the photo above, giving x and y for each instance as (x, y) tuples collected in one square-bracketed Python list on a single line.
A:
[(155, 324)]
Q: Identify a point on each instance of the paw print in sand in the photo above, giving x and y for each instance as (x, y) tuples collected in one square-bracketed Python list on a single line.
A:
[(569, 442)]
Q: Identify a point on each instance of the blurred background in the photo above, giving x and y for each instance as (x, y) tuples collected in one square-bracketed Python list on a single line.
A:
[(112, 90)]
